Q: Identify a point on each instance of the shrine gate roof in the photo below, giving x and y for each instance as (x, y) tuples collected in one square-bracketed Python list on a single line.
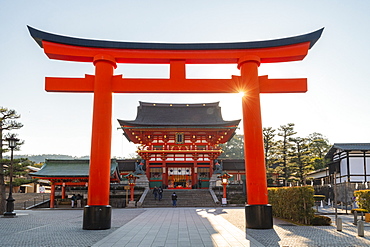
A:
[(40, 36), (167, 115), (68, 168)]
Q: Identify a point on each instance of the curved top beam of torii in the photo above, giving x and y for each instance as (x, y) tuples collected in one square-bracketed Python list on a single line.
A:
[(83, 50)]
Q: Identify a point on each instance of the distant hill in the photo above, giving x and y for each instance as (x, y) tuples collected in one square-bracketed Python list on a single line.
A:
[(41, 157)]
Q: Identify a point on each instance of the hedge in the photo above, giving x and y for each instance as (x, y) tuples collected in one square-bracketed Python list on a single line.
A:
[(363, 199), (293, 203)]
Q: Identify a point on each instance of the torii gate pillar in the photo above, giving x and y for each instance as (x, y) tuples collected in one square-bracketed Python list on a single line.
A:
[(97, 213), (258, 212), (105, 55)]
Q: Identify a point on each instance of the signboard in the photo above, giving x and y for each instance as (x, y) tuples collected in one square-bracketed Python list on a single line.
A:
[(224, 201)]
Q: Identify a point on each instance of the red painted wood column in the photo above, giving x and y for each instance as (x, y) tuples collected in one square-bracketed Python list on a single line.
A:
[(258, 212), (132, 192), (52, 195), (63, 191), (147, 167), (97, 213), (224, 191)]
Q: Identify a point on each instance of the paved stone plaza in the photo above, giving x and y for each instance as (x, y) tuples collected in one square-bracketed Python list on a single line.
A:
[(169, 227)]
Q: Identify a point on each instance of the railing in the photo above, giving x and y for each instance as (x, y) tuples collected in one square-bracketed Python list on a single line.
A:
[(214, 197), (36, 201), (142, 198)]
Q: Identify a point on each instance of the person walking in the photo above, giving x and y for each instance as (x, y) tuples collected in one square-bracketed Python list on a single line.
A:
[(155, 192), (174, 199), (79, 199), (160, 193), (73, 200)]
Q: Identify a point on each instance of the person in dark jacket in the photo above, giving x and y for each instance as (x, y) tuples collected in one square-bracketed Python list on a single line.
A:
[(174, 199), (79, 201), (155, 192), (160, 193), (73, 200)]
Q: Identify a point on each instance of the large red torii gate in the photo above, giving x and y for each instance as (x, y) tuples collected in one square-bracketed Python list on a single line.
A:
[(106, 54)]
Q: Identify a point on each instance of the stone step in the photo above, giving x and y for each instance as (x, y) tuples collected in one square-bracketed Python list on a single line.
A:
[(185, 198)]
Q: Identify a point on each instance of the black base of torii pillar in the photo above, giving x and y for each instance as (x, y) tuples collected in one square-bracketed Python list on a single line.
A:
[(97, 217), (258, 216)]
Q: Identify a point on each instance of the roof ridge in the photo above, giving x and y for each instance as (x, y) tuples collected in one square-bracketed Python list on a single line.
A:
[(178, 104)]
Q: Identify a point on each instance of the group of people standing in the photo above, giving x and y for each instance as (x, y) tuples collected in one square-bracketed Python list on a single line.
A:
[(158, 193), (76, 201)]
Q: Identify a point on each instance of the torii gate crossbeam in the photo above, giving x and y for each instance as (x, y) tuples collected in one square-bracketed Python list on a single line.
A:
[(106, 54)]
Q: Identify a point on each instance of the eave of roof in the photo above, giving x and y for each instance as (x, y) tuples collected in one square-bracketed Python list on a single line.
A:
[(352, 146), (40, 36), (130, 124), (160, 115), (68, 168), (347, 147)]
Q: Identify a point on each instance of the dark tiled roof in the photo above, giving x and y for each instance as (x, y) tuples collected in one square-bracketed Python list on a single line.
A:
[(233, 164), (127, 165), (67, 168), (347, 147), (159, 114), (352, 146)]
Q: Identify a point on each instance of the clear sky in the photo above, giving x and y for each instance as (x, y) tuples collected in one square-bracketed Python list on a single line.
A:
[(337, 102)]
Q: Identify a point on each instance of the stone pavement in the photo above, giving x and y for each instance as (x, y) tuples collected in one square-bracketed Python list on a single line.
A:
[(173, 227)]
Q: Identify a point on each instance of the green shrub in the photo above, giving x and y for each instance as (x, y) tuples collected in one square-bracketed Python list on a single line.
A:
[(363, 199), (293, 203), (359, 210), (320, 220)]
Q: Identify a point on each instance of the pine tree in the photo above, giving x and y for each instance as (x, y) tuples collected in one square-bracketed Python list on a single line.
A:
[(319, 146), (234, 148), (285, 132), (300, 159), (270, 146), (7, 122)]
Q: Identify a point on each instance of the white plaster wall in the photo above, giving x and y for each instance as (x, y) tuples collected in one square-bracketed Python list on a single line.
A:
[(343, 167), (356, 165)]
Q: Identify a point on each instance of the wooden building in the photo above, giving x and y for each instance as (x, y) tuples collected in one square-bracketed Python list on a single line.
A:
[(70, 173), (350, 162), (179, 142)]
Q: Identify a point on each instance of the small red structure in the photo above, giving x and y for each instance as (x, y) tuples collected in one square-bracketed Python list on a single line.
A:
[(106, 54), (131, 182), (224, 181), (70, 173)]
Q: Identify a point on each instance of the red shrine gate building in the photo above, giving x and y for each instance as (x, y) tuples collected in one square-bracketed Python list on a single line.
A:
[(179, 142)]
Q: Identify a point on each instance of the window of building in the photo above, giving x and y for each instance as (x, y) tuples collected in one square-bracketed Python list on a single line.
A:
[(156, 173), (179, 138)]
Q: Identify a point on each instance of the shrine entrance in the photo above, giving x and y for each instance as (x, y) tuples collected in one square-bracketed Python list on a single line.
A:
[(179, 177), (105, 55)]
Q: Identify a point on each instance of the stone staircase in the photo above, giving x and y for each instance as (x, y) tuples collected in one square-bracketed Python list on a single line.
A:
[(185, 198), (24, 200)]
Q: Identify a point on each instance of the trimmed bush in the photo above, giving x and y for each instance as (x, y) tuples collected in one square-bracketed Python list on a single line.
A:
[(293, 203), (320, 220), (363, 199), (359, 210)]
